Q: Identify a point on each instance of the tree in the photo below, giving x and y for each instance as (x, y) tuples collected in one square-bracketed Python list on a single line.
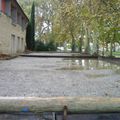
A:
[(32, 22), (30, 32), (92, 25), (28, 37)]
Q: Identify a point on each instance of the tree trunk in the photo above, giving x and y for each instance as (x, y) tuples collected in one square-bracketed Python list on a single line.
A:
[(87, 47), (111, 47), (103, 52), (81, 40), (114, 48), (97, 47), (95, 44), (80, 45), (73, 42), (103, 47), (107, 47)]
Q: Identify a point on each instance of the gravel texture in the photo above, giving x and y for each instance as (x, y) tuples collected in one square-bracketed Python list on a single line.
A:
[(46, 77)]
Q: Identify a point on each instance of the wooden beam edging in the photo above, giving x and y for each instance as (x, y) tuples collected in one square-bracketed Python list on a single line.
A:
[(56, 104), (60, 56)]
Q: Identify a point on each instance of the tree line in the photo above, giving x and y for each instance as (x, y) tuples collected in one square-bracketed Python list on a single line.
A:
[(89, 26)]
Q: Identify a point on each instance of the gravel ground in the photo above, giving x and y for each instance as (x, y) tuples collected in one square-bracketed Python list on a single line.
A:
[(46, 77)]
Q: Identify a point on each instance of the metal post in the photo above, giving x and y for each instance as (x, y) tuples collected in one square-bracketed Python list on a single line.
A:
[(65, 113), (54, 116)]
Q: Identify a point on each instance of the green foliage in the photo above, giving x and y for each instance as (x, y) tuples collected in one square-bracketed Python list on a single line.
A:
[(28, 36), (116, 54), (30, 32), (51, 46), (32, 22), (40, 46), (78, 22)]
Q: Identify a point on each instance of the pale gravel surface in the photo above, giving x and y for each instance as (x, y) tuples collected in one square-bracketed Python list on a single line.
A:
[(46, 77)]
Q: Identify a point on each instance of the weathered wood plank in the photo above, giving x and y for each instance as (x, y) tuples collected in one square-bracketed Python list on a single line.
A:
[(74, 104)]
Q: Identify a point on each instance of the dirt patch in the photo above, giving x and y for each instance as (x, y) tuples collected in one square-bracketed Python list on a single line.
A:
[(96, 75), (4, 56), (7, 57), (71, 68)]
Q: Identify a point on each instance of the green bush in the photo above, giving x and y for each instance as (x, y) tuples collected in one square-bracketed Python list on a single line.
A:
[(40, 46), (51, 46)]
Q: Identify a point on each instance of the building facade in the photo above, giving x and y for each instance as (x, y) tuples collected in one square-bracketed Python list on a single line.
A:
[(13, 23)]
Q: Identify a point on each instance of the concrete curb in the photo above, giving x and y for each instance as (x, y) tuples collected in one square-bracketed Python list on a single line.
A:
[(59, 56)]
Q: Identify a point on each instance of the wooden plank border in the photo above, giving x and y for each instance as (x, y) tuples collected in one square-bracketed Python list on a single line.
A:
[(57, 104)]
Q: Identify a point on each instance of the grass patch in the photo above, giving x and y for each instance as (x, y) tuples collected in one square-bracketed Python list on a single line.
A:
[(116, 54), (96, 75)]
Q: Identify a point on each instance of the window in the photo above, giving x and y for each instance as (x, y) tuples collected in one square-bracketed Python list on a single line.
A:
[(14, 15), (8, 8), (0, 6), (22, 23), (3, 6), (19, 18), (13, 37)]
